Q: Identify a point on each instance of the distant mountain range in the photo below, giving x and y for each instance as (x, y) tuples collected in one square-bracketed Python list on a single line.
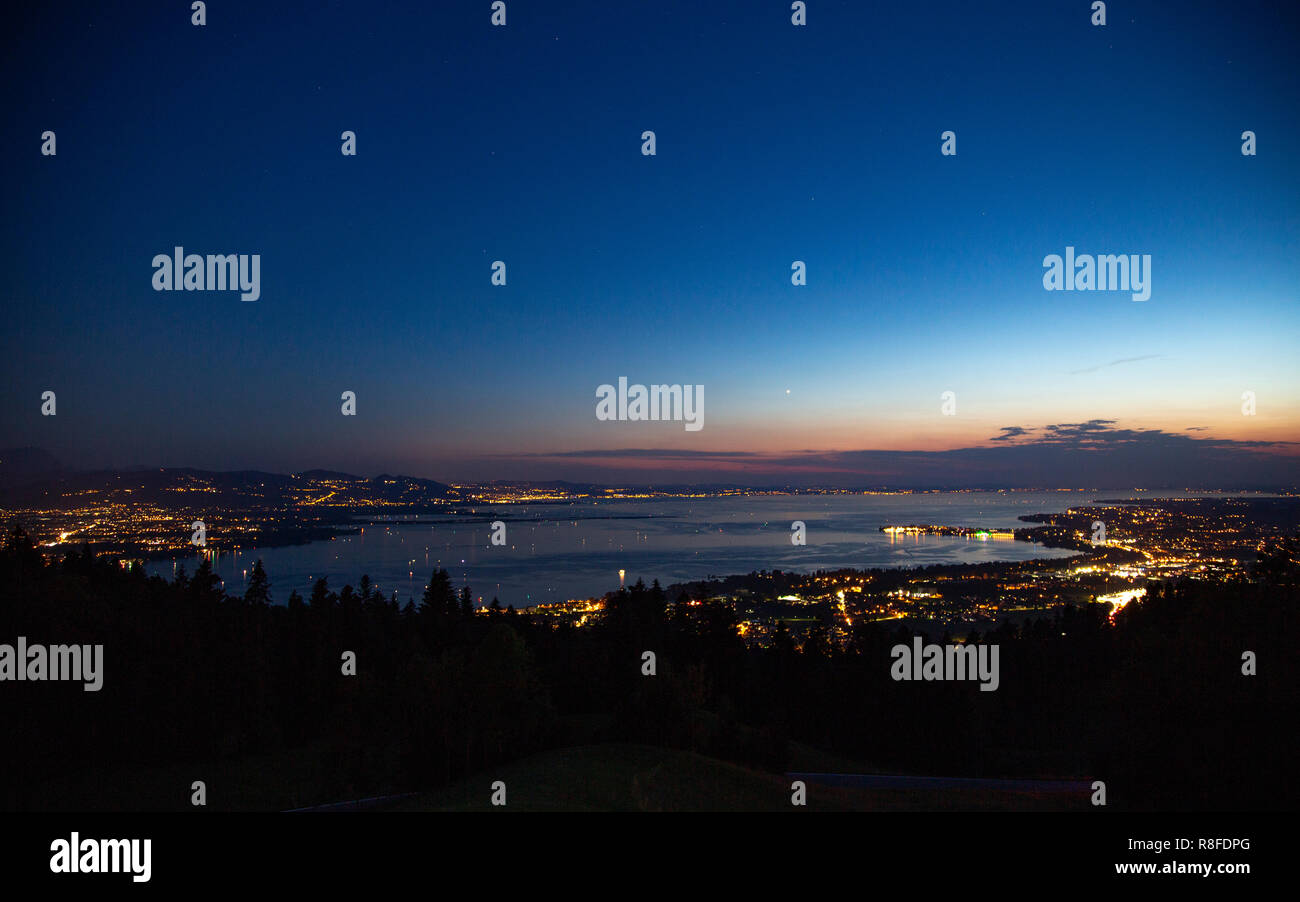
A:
[(21, 465), (31, 477)]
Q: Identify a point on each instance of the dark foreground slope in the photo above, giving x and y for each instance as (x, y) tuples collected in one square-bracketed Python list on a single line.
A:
[(258, 700)]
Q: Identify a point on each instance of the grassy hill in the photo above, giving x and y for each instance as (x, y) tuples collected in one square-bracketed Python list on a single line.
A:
[(627, 777), (607, 777)]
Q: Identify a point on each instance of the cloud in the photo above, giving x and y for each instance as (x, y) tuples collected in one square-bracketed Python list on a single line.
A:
[(1101, 366), (683, 453), (1093, 454)]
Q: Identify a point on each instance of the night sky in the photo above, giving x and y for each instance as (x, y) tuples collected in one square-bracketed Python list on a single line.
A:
[(775, 143)]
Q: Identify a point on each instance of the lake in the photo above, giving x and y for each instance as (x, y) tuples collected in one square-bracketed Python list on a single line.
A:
[(558, 552)]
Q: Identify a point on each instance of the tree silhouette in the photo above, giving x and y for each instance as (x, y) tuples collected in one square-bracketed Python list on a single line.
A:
[(439, 597), (321, 597), (259, 586), (205, 586)]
